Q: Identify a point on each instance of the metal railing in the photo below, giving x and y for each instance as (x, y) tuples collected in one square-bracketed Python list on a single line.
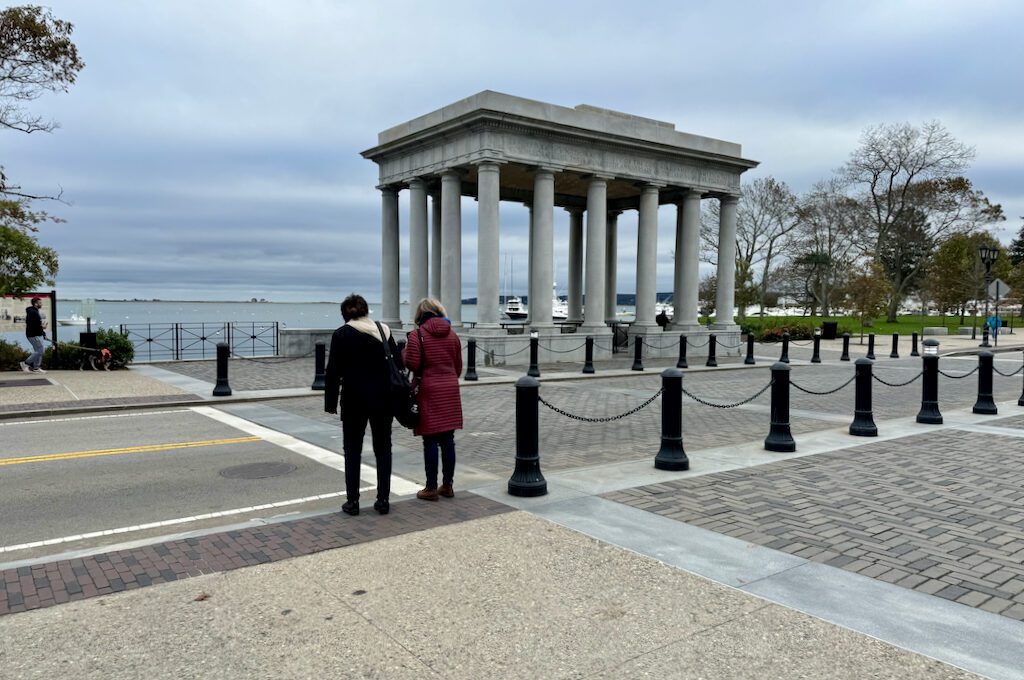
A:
[(177, 341)]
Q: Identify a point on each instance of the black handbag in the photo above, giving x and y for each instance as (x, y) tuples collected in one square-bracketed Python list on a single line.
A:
[(401, 394)]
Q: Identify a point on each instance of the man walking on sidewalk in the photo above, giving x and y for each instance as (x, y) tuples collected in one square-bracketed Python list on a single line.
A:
[(35, 331)]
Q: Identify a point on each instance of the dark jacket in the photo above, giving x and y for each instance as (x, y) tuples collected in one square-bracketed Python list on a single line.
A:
[(33, 323), (356, 369), (438, 372)]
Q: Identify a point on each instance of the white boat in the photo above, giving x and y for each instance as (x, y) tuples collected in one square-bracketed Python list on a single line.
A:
[(515, 309), (74, 320)]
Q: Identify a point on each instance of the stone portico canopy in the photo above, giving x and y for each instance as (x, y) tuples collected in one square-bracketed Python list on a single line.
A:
[(593, 162)]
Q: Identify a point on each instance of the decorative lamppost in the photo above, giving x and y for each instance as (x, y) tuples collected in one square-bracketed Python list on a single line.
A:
[(988, 255)]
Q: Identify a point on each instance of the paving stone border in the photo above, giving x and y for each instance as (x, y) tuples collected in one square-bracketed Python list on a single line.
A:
[(48, 584), (58, 406), (940, 513)]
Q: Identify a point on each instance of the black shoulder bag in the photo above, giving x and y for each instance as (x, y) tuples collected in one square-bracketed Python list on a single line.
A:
[(401, 394)]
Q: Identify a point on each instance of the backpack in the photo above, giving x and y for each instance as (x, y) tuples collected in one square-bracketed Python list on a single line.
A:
[(401, 394)]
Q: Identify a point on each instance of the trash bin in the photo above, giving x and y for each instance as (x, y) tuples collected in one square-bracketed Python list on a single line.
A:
[(829, 330)]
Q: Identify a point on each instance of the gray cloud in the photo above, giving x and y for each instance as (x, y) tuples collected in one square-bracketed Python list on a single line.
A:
[(211, 150)]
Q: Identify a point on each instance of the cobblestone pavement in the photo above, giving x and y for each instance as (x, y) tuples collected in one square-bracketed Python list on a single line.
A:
[(488, 442), (941, 513), (48, 584)]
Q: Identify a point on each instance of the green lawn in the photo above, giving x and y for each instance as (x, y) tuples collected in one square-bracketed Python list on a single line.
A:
[(904, 325)]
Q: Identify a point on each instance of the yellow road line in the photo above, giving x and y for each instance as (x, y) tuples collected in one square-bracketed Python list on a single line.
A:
[(149, 448)]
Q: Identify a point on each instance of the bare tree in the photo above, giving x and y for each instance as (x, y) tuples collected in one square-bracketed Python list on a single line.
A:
[(765, 217), (36, 56), (827, 241), (912, 184)]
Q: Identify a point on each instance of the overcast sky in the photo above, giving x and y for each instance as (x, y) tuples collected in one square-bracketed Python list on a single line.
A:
[(210, 150)]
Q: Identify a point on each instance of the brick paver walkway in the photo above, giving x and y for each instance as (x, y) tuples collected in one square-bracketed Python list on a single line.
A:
[(44, 585), (942, 513)]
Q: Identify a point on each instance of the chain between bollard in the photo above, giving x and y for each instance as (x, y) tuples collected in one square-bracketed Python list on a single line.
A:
[(272, 360), (668, 346), (902, 384), (694, 344), (494, 354), (562, 351), (1008, 375), (825, 393), (738, 403), (801, 343), (958, 377), (602, 419)]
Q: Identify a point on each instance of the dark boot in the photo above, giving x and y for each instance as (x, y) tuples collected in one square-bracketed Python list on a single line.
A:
[(350, 508)]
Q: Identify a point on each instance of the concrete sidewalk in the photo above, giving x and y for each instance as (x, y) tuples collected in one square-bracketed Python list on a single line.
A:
[(602, 577)]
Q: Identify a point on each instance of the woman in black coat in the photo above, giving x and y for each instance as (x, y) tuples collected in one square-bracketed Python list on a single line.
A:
[(357, 369)]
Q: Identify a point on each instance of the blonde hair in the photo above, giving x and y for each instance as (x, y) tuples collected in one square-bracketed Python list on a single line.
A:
[(428, 305)]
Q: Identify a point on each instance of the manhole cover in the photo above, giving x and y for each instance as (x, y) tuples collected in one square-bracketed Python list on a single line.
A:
[(257, 470)]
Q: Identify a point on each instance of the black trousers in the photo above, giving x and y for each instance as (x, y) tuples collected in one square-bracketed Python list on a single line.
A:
[(353, 426)]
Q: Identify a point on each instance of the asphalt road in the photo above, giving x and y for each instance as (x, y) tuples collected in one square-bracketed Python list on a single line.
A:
[(61, 478)]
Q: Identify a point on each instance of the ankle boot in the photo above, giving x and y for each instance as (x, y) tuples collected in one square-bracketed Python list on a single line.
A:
[(446, 490), (350, 508), (427, 494)]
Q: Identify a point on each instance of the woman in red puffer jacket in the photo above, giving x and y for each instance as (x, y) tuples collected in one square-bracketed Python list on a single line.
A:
[(433, 352)]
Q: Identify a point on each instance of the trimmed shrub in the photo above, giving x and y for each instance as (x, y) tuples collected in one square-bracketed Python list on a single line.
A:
[(121, 348), (11, 355), (65, 357)]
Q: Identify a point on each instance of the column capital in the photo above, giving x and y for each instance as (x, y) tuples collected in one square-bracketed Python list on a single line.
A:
[(598, 176), (551, 169), (614, 214), (693, 193), (458, 171), (729, 199), (488, 163), (389, 188), (417, 183), (651, 186), (574, 209)]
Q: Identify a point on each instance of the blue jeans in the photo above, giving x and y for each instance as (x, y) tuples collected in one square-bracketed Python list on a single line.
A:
[(36, 358), (446, 442)]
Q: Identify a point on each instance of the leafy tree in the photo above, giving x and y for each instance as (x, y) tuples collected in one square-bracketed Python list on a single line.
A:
[(1015, 251), (25, 265), (903, 170), (765, 218), (707, 293), (866, 293)]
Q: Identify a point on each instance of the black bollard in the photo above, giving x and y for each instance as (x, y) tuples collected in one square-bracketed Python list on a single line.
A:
[(588, 362), (779, 436), (816, 356), (846, 347), (863, 424), (929, 413), (913, 345), (671, 455), (527, 479), (985, 405), (1020, 402), (895, 353), (638, 353), (750, 349), (471, 360), (871, 347), (682, 352), (784, 357), (222, 388), (712, 350), (320, 373), (534, 370)]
